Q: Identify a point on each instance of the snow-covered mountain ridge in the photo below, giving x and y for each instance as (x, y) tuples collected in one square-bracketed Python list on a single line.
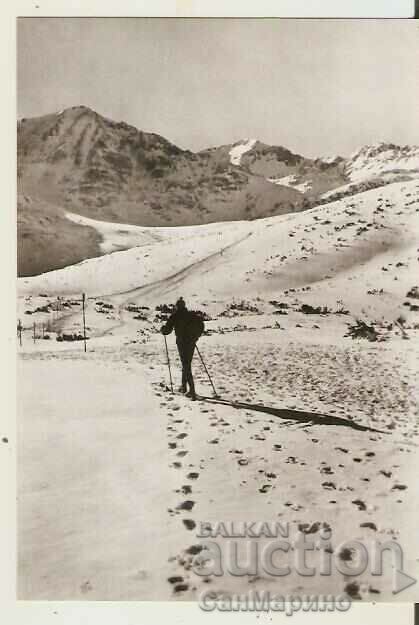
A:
[(383, 158), (81, 163)]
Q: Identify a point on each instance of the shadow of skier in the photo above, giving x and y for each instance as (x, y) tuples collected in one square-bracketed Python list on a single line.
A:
[(311, 418)]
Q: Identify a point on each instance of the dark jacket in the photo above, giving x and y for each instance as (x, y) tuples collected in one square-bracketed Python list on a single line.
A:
[(185, 326)]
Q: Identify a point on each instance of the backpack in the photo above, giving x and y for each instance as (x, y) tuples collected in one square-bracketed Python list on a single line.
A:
[(196, 324)]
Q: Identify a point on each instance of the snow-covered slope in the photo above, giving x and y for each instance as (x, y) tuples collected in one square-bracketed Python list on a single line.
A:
[(162, 252), (239, 149), (340, 250), (382, 158), (114, 236), (292, 181)]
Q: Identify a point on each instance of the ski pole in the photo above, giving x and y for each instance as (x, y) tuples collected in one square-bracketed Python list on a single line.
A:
[(168, 363), (206, 370), (84, 319)]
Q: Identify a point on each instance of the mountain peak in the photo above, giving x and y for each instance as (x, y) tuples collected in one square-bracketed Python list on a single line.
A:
[(240, 148), (245, 141), (79, 108), (374, 149)]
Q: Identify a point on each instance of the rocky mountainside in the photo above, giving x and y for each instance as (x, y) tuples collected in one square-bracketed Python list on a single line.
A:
[(112, 171), (371, 166), (81, 162), (280, 166)]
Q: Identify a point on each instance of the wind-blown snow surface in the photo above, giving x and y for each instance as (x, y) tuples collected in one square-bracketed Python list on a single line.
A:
[(312, 427), (239, 149)]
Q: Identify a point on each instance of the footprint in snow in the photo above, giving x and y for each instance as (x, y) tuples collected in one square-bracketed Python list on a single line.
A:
[(346, 554), (189, 524), (352, 589), (370, 525), (306, 528), (386, 473), (186, 505), (175, 579), (193, 550), (361, 505), (329, 485)]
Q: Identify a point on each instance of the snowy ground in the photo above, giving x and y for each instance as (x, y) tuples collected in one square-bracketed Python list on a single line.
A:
[(311, 427), (291, 181)]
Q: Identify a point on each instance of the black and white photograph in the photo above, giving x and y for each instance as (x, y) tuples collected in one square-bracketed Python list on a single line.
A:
[(217, 318)]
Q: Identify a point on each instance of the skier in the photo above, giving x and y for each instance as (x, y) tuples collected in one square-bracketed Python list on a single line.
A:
[(188, 328)]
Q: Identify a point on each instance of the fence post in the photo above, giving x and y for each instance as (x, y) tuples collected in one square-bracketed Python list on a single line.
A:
[(84, 320), (19, 331), (34, 331)]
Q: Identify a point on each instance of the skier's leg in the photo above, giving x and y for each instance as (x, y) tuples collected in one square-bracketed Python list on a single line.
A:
[(181, 350), (188, 367)]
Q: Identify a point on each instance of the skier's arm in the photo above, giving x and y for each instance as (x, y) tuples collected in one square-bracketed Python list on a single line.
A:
[(168, 326)]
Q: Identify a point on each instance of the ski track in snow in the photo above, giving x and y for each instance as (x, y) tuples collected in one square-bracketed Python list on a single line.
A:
[(165, 285)]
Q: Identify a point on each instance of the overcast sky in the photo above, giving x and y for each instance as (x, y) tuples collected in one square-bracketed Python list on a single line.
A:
[(316, 87)]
